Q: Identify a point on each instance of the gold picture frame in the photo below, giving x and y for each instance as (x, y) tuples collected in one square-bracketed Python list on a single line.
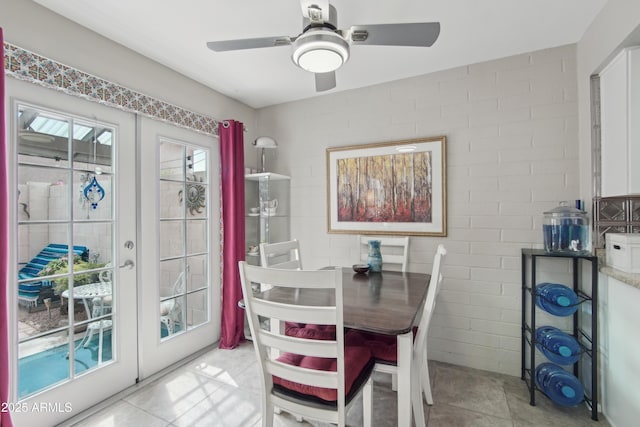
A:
[(388, 188)]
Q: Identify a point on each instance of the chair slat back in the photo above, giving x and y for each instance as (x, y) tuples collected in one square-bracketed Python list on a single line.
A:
[(395, 250), (327, 312), (312, 377), (285, 255), (298, 314), (435, 283), (295, 345)]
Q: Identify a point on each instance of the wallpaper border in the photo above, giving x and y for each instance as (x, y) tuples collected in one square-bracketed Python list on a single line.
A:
[(24, 65)]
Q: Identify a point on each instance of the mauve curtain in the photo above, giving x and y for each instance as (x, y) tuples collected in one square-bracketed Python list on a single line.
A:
[(232, 165), (5, 418)]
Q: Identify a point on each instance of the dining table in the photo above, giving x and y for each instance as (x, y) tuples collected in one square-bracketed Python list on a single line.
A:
[(88, 293), (387, 302)]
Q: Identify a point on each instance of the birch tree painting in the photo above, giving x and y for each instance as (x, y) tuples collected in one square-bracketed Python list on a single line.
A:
[(388, 188), (385, 188)]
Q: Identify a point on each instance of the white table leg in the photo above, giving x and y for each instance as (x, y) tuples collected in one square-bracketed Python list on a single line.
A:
[(88, 333), (100, 336), (277, 327), (405, 351)]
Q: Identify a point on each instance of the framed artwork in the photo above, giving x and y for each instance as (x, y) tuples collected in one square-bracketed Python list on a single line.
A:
[(396, 187)]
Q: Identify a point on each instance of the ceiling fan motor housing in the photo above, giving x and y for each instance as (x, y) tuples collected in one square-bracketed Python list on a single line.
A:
[(320, 50)]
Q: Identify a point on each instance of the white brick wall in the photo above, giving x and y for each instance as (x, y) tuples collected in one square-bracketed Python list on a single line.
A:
[(512, 153)]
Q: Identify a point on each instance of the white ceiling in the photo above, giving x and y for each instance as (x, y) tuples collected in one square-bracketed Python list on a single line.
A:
[(174, 33)]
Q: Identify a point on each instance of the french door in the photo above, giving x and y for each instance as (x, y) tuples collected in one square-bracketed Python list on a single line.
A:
[(73, 253), (180, 254), (115, 250)]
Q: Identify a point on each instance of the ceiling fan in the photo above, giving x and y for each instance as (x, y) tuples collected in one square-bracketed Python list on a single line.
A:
[(322, 48)]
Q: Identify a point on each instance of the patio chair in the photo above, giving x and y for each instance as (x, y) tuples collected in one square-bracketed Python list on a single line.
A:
[(29, 290), (314, 379), (395, 251), (171, 307), (101, 305), (384, 347)]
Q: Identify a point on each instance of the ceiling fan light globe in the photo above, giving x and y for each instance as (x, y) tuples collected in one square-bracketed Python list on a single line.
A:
[(320, 51), (320, 60)]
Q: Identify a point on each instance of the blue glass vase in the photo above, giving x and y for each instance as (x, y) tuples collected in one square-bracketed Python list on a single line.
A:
[(375, 257)]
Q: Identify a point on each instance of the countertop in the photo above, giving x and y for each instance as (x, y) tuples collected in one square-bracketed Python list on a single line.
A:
[(630, 279)]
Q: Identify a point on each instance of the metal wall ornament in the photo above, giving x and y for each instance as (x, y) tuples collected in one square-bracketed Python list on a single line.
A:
[(195, 197)]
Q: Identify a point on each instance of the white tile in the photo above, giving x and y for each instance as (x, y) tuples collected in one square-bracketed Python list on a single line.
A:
[(463, 396), (227, 406), (122, 414), (173, 395)]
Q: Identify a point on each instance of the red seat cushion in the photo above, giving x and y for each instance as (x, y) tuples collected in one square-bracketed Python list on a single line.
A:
[(309, 331), (383, 347), (356, 360)]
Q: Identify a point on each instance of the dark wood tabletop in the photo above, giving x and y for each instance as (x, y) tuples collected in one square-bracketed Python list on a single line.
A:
[(386, 302)]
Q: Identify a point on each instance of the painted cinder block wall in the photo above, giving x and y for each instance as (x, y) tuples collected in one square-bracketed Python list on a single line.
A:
[(512, 153)]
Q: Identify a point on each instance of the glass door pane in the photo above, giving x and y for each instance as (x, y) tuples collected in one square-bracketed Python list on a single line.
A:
[(183, 194), (65, 247)]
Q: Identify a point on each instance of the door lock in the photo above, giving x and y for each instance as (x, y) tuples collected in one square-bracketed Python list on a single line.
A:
[(128, 244)]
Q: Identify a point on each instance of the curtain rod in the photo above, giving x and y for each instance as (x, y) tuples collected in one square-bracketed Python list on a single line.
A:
[(225, 124)]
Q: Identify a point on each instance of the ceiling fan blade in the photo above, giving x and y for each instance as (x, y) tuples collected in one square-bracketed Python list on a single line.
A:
[(411, 34), (240, 44), (325, 81)]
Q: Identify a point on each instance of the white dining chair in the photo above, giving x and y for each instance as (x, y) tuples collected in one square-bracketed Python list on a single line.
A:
[(281, 255), (384, 347), (314, 379), (286, 255), (395, 251), (420, 345)]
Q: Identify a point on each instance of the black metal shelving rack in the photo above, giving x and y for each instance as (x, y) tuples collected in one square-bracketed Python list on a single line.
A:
[(529, 325)]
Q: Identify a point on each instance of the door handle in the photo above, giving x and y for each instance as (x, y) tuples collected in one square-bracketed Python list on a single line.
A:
[(128, 264)]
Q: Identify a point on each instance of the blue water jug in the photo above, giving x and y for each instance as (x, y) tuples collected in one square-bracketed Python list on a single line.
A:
[(562, 387), (556, 299), (559, 347)]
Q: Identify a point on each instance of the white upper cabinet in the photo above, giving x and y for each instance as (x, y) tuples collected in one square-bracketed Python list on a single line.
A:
[(620, 120)]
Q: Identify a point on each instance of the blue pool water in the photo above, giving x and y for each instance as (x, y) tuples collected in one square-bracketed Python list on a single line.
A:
[(41, 370)]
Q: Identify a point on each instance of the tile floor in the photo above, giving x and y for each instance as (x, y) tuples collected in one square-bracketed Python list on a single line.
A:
[(219, 388)]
